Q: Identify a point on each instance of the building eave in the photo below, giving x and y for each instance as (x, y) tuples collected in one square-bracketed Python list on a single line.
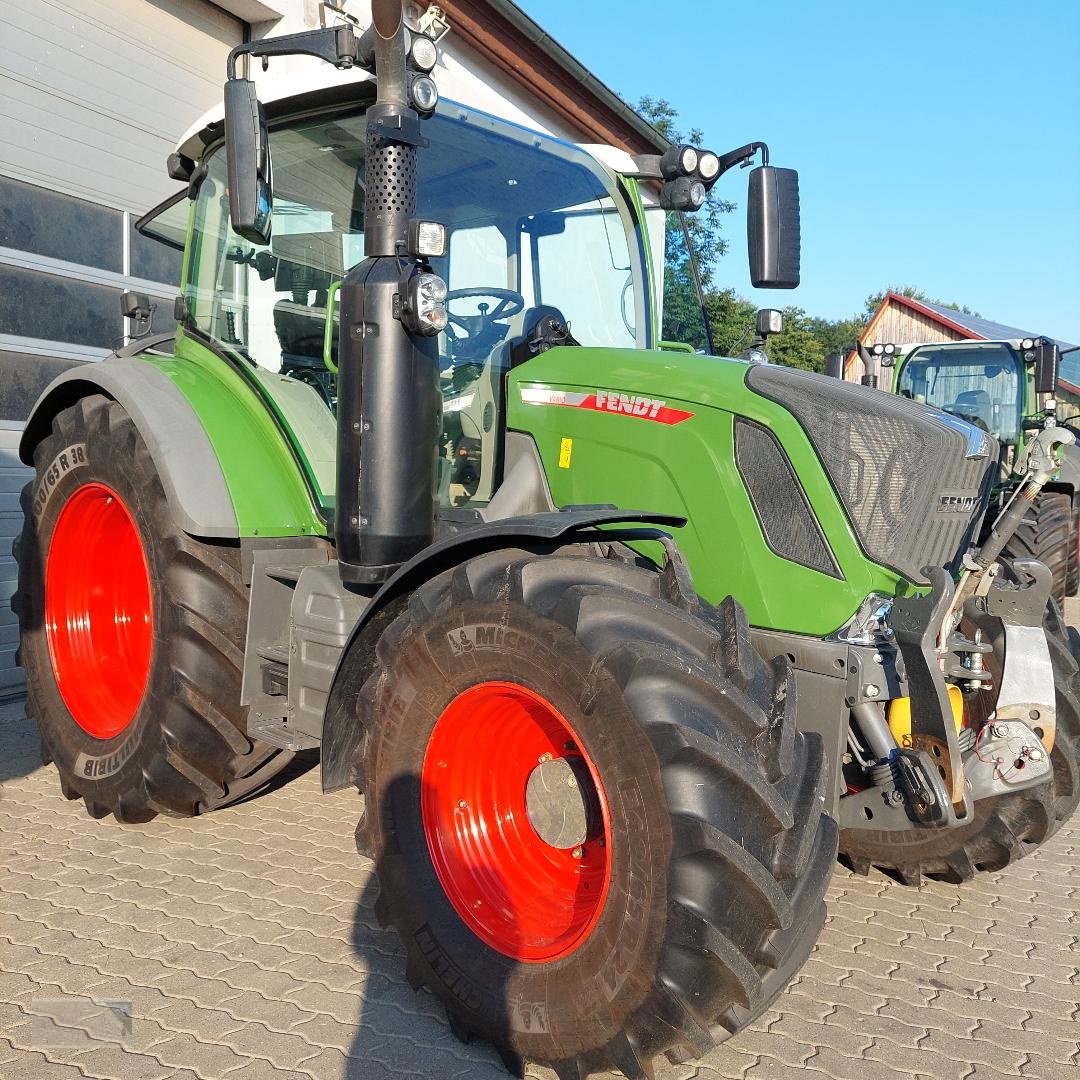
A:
[(526, 53)]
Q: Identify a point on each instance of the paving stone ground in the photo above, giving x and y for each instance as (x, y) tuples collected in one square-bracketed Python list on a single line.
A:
[(243, 945)]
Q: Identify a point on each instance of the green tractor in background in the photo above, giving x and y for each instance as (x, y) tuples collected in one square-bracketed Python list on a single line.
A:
[(619, 643), (1009, 389)]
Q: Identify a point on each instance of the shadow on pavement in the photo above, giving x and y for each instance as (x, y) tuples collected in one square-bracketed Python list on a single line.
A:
[(403, 1027), (20, 744)]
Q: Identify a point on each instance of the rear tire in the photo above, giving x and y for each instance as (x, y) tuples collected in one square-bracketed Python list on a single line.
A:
[(1047, 534), (1005, 828), (719, 850), (181, 748)]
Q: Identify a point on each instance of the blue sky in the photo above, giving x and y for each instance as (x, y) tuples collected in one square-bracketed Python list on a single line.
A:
[(938, 144)]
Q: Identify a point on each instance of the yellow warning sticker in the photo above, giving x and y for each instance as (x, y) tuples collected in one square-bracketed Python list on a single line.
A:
[(566, 450)]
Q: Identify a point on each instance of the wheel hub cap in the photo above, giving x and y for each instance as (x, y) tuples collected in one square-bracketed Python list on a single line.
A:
[(516, 822), (98, 614)]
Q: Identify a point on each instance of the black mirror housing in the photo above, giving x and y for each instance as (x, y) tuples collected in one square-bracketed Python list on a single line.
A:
[(1047, 367), (772, 228), (247, 149), (135, 305)]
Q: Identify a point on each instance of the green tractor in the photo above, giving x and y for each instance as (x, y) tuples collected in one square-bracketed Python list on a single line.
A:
[(619, 643), (1008, 388)]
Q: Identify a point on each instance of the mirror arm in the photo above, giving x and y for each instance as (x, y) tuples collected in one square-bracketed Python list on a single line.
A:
[(336, 45)]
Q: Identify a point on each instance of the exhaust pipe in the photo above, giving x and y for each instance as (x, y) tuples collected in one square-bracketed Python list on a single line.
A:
[(389, 405)]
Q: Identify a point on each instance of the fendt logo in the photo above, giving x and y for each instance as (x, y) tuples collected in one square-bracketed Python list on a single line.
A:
[(608, 401), (629, 404), (956, 504)]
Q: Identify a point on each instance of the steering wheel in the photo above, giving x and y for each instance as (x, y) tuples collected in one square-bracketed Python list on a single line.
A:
[(510, 303)]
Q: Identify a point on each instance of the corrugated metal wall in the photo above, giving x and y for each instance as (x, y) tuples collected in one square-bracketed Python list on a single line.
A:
[(13, 475), (95, 93)]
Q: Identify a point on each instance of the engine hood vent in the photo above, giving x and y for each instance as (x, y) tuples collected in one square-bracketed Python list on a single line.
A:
[(912, 480)]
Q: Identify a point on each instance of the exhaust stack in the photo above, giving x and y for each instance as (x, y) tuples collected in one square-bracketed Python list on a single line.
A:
[(389, 405)]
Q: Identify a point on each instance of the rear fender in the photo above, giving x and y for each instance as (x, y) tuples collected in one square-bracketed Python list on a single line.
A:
[(182, 453), (536, 533)]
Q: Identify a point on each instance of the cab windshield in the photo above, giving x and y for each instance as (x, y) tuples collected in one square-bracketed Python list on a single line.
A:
[(979, 383), (536, 227)]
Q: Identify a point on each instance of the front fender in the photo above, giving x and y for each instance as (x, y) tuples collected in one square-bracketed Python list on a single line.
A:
[(537, 532)]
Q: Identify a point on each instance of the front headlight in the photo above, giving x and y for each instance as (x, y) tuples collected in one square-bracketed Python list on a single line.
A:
[(425, 311)]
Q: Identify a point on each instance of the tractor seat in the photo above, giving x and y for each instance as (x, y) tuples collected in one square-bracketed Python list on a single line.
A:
[(976, 403)]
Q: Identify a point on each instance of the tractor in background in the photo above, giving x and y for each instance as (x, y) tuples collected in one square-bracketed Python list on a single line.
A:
[(618, 642), (1007, 388)]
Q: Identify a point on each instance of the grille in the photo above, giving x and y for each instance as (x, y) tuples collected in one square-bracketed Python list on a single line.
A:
[(787, 521), (902, 471)]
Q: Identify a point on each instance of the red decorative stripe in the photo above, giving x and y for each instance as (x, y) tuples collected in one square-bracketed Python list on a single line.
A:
[(638, 406)]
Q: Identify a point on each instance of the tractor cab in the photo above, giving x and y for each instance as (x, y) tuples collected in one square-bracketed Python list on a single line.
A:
[(537, 231), (981, 382)]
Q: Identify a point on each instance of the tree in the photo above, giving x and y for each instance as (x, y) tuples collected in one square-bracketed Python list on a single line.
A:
[(837, 335), (875, 300), (797, 346), (682, 306)]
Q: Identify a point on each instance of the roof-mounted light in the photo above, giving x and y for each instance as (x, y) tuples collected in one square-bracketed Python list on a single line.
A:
[(678, 161), (708, 166), (423, 53), (685, 194)]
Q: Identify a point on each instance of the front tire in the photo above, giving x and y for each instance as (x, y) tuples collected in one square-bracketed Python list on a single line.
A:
[(1047, 535), (132, 631), (707, 838)]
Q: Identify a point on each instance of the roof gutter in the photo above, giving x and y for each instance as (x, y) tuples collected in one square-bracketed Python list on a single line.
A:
[(539, 37)]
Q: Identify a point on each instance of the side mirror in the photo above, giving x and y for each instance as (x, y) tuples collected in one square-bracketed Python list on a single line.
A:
[(772, 228), (247, 150), (834, 365), (1047, 358), (137, 307)]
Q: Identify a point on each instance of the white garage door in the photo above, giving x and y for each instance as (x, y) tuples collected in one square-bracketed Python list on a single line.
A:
[(94, 95)]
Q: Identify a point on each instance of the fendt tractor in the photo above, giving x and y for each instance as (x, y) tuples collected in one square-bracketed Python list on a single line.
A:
[(619, 643), (1008, 388)]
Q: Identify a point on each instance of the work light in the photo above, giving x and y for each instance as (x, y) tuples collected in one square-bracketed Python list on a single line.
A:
[(425, 309), (708, 166), (423, 53), (679, 161), (1027, 343), (685, 194), (427, 239), (424, 94)]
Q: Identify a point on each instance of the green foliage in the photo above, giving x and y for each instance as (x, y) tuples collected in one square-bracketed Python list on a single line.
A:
[(875, 300), (797, 346), (706, 226), (732, 321)]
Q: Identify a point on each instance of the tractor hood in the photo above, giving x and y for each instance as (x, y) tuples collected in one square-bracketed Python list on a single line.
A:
[(910, 483), (913, 480)]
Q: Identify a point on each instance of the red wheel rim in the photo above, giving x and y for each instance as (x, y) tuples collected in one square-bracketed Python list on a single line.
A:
[(98, 619), (520, 895)]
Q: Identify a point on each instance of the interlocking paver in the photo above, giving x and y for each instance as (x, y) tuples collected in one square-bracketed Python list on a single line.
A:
[(247, 945)]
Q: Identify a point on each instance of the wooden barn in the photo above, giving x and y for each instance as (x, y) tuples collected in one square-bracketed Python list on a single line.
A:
[(903, 320)]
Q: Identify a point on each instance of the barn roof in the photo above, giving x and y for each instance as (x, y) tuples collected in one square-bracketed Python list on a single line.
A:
[(976, 324), (978, 328)]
